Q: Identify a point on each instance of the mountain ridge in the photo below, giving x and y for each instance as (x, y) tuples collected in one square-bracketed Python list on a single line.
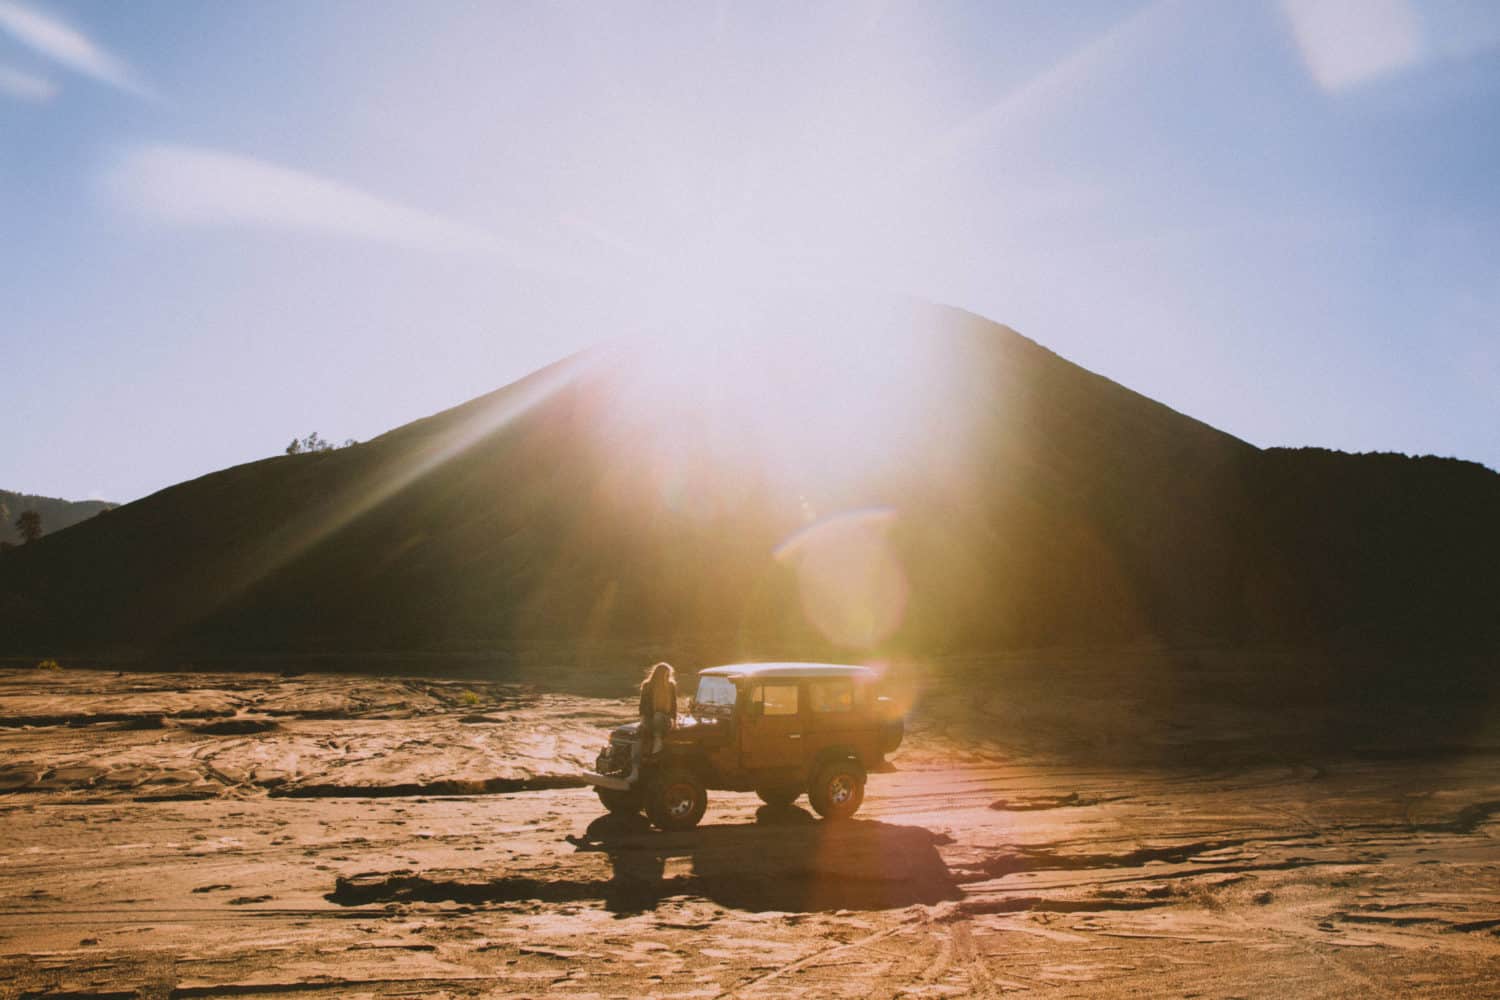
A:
[(990, 494)]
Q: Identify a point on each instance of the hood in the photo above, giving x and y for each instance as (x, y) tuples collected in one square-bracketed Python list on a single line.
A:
[(688, 728)]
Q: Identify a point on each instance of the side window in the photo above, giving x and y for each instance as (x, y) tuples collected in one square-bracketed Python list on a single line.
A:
[(831, 696), (776, 699)]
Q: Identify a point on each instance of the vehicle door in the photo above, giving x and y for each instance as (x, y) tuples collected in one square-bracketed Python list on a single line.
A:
[(771, 733), (834, 713)]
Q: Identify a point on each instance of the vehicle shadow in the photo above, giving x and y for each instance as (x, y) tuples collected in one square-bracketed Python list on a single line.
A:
[(787, 860)]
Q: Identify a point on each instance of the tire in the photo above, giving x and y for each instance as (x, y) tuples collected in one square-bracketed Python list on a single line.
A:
[(837, 789), (891, 733), (621, 803), (676, 799), (779, 796)]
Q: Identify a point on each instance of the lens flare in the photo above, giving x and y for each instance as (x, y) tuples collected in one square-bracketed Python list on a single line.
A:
[(851, 583)]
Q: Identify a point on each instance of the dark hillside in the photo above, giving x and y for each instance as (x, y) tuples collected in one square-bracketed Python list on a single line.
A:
[(1379, 543), (946, 484)]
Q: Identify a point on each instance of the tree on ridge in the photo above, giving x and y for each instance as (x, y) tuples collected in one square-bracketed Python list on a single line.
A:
[(29, 524), (312, 443)]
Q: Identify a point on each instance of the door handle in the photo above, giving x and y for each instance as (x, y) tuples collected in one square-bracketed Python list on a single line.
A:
[(794, 736)]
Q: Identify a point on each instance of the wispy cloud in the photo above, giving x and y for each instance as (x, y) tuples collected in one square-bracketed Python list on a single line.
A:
[(25, 87), (1345, 43), (68, 46), (204, 187)]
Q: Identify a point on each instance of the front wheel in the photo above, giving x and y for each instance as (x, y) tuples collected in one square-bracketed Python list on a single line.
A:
[(621, 803), (676, 799), (838, 789)]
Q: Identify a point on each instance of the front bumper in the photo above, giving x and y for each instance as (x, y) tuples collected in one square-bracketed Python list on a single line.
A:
[(615, 782), (613, 767)]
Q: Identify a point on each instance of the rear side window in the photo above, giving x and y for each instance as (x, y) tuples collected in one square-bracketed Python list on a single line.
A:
[(831, 696), (777, 699)]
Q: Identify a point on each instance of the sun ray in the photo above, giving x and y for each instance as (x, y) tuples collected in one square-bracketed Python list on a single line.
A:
[(432, 444), (1032, 99)]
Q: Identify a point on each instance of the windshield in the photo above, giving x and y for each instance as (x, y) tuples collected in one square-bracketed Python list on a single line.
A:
[(715, 692)]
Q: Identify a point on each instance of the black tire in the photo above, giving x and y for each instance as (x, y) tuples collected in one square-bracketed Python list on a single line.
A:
[(779, 796), (621, 803), (837, 789), (891, 733), (676, 799)]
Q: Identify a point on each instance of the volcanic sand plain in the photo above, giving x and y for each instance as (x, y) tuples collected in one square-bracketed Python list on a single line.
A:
[(1091, 824)]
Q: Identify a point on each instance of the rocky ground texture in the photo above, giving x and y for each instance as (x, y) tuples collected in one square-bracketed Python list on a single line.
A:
[(217, 834)]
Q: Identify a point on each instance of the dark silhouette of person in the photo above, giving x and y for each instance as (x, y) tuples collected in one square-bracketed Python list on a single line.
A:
[(658, 708)]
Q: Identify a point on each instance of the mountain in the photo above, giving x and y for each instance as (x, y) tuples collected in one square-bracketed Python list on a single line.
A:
[(809, 479), (56, 514)]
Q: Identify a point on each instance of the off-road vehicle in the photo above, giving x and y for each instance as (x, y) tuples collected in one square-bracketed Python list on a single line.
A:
[(777, 729)]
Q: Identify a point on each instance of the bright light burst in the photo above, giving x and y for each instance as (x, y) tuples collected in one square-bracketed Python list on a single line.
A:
[(818, 394)]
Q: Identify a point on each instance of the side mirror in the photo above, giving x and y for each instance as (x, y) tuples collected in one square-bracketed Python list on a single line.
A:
[(755, 709)]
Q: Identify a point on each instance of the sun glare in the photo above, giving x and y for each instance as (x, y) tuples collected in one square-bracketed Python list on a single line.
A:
[(801, 414), (820, 397)]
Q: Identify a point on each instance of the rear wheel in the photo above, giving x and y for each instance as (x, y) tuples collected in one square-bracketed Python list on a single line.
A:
[(891, 733), (779, 796), (837, 789), (621, 802), (676, 799)]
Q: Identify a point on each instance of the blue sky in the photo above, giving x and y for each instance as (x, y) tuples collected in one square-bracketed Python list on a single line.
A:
[(226, 224)]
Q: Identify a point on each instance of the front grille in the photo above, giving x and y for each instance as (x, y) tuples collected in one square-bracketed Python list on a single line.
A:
[(613, 759)]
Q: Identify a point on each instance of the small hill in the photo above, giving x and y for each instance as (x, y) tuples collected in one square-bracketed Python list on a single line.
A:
[(811, 479), (56, 514)]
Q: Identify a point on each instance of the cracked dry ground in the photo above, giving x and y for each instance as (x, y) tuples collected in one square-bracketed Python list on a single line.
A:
[(253, 835)]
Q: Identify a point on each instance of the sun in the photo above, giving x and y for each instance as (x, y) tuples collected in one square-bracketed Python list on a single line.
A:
[(820, 393)]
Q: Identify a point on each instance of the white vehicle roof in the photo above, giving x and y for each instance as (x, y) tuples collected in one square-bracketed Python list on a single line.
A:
[(790, 670)]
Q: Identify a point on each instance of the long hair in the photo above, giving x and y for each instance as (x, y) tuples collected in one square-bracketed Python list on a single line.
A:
[(656, 671)]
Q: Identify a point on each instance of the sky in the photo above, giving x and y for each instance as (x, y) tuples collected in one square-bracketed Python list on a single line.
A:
[(223, 225)]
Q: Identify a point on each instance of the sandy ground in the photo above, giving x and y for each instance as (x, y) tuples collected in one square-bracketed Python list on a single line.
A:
[(215, 835)]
